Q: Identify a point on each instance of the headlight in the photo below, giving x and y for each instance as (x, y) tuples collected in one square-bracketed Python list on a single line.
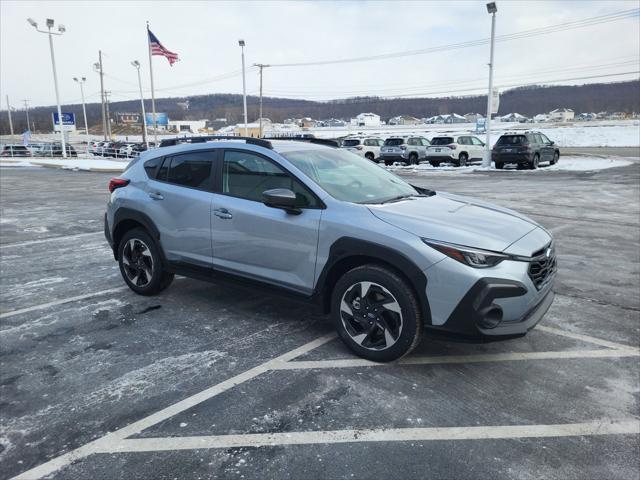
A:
[(474, 257)]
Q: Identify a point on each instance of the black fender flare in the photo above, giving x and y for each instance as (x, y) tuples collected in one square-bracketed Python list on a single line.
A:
[(123, 214), (350, 252)]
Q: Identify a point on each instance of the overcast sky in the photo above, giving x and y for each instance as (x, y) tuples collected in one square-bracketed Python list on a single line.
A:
[(205, 35)]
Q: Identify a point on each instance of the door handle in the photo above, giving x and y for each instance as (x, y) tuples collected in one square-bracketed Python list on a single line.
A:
[(223, 213), (156, 195)]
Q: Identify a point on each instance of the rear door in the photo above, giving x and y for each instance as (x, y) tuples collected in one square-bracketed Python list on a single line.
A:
[(477, 148), (548, 148), (179, 204), (260, 242)]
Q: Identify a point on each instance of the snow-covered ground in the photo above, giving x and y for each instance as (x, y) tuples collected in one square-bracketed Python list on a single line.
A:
[(610, 133), (84, 164), (570, 164)]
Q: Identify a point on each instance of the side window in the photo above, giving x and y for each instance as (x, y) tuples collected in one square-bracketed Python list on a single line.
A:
[(412, 141), (462, 141), (191, 169), (476, 141), (367, 143), (538, 138), (246, 175), (151, 166), (380, 142), (164, 169), (425, 142), (545, 139)]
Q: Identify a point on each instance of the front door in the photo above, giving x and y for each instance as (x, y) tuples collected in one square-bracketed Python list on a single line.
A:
[(180, 206), (257, 241)]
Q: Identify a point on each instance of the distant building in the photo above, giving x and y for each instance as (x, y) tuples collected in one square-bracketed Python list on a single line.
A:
[(514, 117), (217, 123), (472, 117), (404, 120), (446, 118), (541, 117), (187, 126), (366, 120), (307, 122), (617, 116), (587, 117), (561, 115), (336, 122)]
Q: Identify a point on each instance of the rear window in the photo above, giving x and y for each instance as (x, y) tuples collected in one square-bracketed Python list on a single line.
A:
[(441, 140), (512, 140), (394, 142), (351, 143)]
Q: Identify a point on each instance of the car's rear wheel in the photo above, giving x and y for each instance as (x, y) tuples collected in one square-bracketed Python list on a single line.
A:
[(413, 159), (434, 163), (462, 160), (556, 157), (376, 313), (369, 156), (533, 164), (388, 163), (499, 165), (141, 264)]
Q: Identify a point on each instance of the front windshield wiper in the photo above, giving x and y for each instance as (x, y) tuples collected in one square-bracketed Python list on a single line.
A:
[(402, 197)]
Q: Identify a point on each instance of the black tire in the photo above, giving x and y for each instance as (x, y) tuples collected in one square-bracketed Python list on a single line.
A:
[(413, 158), (132, 258), (535, 162), (369, 156), (462, 160), (434, 163), (499, 165), (406, 326), (388, 163), (556, 157)]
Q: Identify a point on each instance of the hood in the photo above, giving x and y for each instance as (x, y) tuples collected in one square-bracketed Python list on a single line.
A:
[(456, 219)]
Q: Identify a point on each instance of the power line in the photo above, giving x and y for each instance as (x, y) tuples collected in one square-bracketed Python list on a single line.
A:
[(615, 16)]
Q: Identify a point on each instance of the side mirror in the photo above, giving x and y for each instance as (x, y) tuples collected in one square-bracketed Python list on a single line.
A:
[(552, 142), (281, 198)]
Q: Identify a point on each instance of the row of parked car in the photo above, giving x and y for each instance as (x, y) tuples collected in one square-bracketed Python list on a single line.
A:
[(118, 149), (36, 150), (525, 149)]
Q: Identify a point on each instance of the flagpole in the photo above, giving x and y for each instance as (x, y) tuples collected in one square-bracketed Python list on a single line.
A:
[(153, 95)]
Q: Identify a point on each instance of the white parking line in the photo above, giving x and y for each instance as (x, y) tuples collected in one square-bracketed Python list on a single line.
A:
[(50, 239), (111, 440), (586, 338), (61, 302), (449, 359), (601, 427)]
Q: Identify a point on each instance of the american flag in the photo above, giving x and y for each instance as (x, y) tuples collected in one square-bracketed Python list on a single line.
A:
[(157, 49)]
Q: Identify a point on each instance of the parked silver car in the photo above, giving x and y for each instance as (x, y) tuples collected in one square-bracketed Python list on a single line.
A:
[(385, 258), (408, 150)]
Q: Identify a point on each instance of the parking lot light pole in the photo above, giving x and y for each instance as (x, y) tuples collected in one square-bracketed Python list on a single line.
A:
[(61, 30), (244, 90), (486, 161), (80, 81), (145, 137)]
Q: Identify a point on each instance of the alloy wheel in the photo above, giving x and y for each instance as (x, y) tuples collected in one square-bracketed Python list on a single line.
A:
[(371, 315), (137, 262)]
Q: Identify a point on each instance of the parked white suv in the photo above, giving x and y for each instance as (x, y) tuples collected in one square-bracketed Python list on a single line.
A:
[(409, 150), (367, 147), (457, 150)]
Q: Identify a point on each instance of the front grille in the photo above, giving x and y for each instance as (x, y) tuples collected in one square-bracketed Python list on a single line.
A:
[(543, 266)]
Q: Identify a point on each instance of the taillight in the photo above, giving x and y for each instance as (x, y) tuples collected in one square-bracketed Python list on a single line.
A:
[(359, 147), (452, 147), (403, 147), (116, 182)]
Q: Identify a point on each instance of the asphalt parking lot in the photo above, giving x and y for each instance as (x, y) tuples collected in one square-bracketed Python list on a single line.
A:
[(210, 381)]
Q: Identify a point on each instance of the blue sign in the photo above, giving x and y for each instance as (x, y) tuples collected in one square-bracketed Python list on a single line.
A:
[(67, 119), (161, 119), (481, 124)]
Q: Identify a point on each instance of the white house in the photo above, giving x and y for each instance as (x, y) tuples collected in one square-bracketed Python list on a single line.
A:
[(366, 120), (472, 117), (192, 126), (513, 117), (561, 115), (541, 117), (404, 120)]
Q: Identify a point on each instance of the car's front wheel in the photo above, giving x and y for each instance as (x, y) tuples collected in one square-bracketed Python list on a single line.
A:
[(376, 313), (141, 264), (556, 157)]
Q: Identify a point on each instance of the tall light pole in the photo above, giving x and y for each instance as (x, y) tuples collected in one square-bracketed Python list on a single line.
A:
[(80, 81), (9, 113), (244, 90), (260, 66), (61, 30), (145, 138), (486, 161), (26, 109), (98, 68)]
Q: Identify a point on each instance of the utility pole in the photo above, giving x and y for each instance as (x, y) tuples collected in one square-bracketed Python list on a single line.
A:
[(80, 81), (486, 161), (145, 139), (98, 68), (106, 104), (244, 89), (9, 113), (260, 66), (26, 109)]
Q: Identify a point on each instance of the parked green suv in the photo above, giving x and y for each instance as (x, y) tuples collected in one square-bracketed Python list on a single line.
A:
[(526, 149)]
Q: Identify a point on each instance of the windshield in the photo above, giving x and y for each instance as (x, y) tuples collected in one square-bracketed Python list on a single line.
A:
[(512, 140), (442, 141), (394, 142), (354, 142), (348, 177)]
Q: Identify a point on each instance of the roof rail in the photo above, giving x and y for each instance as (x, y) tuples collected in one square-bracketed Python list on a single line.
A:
[(319, 141), (168, 142)]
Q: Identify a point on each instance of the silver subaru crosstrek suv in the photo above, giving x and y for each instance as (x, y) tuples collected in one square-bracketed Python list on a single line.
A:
[(386, 259)]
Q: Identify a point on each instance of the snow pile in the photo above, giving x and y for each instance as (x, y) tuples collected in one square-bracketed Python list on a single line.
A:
[(84, 164)]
